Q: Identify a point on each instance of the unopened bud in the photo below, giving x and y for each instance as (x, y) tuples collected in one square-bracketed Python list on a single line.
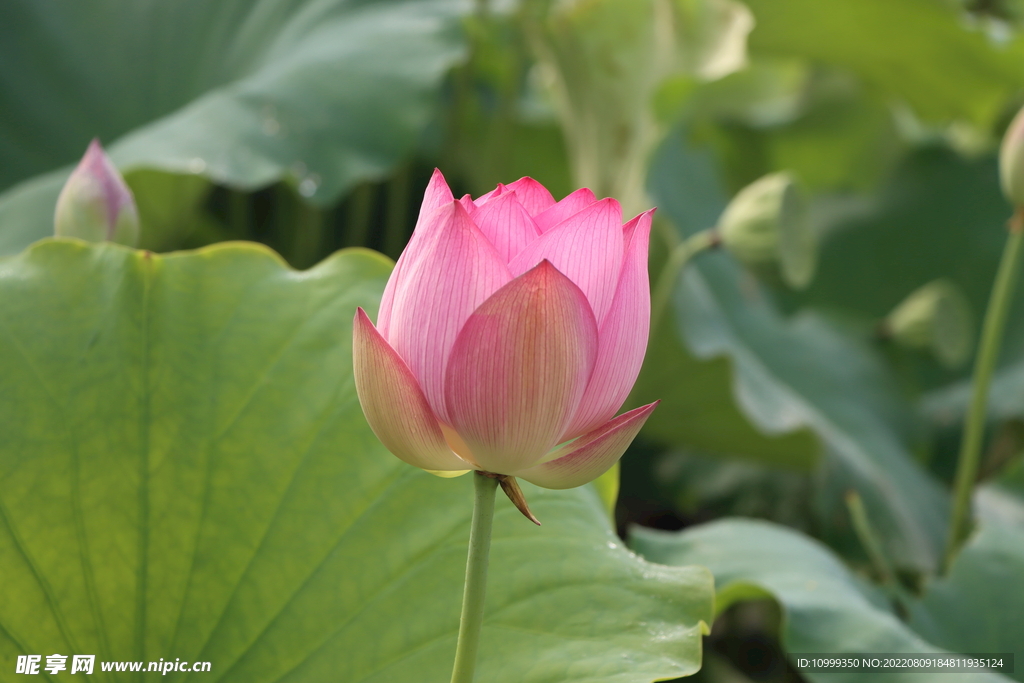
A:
[(766, 223), (935, 317), (1011, 161), (96, 204)]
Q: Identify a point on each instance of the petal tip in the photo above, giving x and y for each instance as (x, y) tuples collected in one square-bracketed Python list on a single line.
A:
[(362, 322), (643, 216), (547, 270), (589, 456), (457, 207), (436, 195), (438, 177)]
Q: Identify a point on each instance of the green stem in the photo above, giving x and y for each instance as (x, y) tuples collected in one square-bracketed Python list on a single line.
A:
[(868, 538), (476, 578), (681, 255), (988, 353)]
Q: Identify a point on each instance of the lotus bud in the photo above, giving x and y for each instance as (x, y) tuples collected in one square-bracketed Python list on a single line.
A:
[(1011, 161), (935, 317), (509, 334), (96, 204), (766, 223)]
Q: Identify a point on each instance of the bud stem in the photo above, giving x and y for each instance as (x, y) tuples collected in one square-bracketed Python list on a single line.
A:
[(476, 578), (868, 538), (988, 354), (677, 260)]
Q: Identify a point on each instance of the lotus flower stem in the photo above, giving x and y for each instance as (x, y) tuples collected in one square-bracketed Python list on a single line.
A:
[(681, 255), (988, 354), (476, 578)]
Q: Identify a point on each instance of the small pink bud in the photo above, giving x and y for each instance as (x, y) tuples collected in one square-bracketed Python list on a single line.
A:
[(509, 335), (96, 205), (1011, 161)]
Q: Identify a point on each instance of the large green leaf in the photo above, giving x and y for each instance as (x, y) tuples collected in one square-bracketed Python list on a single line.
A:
[(799, 373), (979, 606), (825, 607), (947, 405), (323, 93), (698, 410), (917, 51), (186, 473), (938, 215)]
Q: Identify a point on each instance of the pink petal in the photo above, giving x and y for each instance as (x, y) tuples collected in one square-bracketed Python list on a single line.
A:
[(534, 197), (587, 247), (591, 455), (456, 272), (393, 403), (519, 367), (623, 335), (436, 195), (493, 194), (572, 204), (506, 224), (467, 203)]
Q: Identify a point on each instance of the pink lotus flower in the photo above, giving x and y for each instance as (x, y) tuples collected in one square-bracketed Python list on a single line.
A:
[(510, 333)]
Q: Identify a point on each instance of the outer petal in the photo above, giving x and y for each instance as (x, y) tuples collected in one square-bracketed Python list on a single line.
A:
[(532, 195), (518, 369), (623, 335), (587, 247), (457, 270), (507, 225), (393, 404), (591, 455), (572, 204), (436, 195)]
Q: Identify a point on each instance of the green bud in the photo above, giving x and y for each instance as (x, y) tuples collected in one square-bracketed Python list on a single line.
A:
[(766, 223), (935, 317), (1011, 161), (96, 204)]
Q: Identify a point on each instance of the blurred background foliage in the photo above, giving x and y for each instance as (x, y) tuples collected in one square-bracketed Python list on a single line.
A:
[(312, 125)]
